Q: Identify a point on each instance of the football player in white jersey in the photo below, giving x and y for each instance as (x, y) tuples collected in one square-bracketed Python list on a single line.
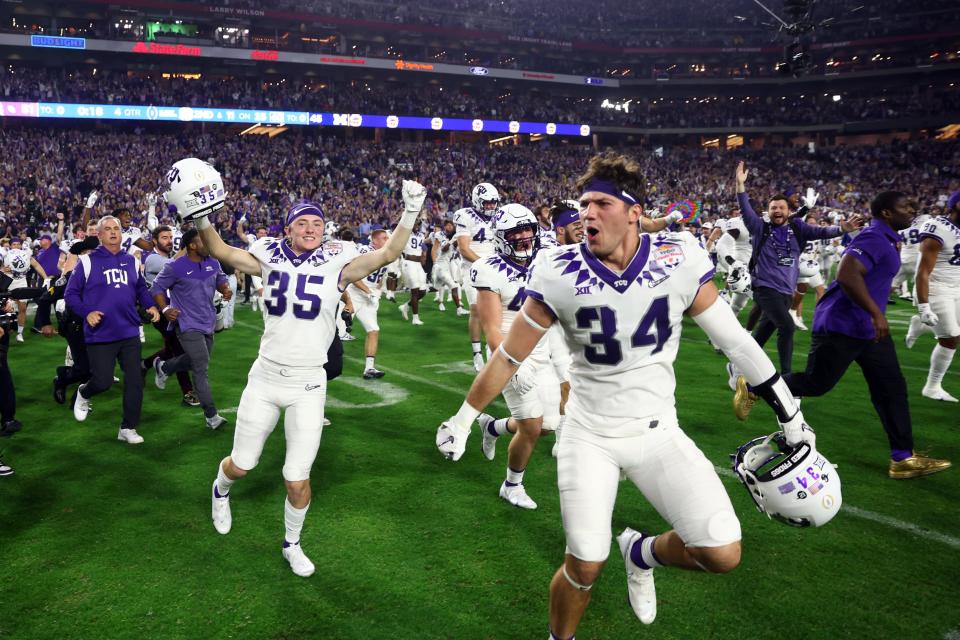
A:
[(365, 295), (733, 255), (533, 396), (304, 279), (256, 282), (938, 292), (548, 235), (444, 253), (133, 241), (620, 298), (414, 277), (475, 241), (810, 275), (909, 256), (17, 262)]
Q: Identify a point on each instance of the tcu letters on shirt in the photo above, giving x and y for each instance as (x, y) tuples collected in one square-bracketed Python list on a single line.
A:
[(477, 227), (300, 294), (623, 330), (945, 279)]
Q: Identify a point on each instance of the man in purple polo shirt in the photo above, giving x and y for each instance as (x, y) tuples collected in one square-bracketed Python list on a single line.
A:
[(775, 265), (849, 326), (104, 289), (191, 281)]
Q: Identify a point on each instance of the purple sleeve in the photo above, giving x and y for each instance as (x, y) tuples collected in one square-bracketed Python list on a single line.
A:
[(221, 277), (816, 232), (143, 293), (73, 295), (164, 280), (753, 222)]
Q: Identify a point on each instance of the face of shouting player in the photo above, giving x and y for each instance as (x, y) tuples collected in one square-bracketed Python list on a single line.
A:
[(609, 223), (305, 233)]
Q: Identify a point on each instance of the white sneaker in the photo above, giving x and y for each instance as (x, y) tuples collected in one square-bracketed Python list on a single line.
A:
[(404, 310), (161, 379), (417, 321), (441, 307), (732, 376), (299, 562), (937, 393), (914, 331), (81, 406), (19, 337), (517, 496), (220, 511), (130, 436), (798, 321), (216, 421), (326, 422), (462, 312), (489, 442), (641, 591), (347, 337), (478, 362)]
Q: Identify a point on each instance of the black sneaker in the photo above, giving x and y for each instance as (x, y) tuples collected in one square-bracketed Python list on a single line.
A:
[(10, 427), (190, 399)]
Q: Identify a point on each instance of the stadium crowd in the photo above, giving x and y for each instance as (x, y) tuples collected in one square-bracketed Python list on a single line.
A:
[(104, 86)]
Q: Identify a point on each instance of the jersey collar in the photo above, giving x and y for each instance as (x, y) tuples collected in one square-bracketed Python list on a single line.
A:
[(295, 259), (620, 282)]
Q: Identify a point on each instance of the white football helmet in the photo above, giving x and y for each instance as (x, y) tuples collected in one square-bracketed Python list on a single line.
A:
[(809, 268), (738, 280), (330, 230), (218, 305), (793, 484), (194, 188), (484, 193), (510, 220)]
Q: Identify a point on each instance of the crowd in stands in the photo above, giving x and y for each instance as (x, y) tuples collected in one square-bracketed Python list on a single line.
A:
[(119, 87), (357, 182)]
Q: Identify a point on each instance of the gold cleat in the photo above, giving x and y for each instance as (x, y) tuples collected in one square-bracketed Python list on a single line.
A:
[(743, 399), (915, 466)]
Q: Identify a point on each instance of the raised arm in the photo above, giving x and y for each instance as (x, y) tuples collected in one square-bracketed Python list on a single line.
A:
[(237, 258), (363, 265), (753, 222)]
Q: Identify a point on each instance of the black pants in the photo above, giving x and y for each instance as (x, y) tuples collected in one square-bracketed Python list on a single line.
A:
[(776, 316), (103, 355), (171, 349), (8, 395), (42, 317), (832, 353), (72, 330), (334, 365)]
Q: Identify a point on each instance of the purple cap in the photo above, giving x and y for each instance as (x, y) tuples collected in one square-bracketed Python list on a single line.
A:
[(47, 236), (303, 209), (953, 201)]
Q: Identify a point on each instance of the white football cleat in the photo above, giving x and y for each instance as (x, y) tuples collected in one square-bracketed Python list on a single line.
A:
[(216, 421), (937, 393), (417, 321), (441, 307), (641, 591), (326, 421), (19, 337), (81, 406), (220, 511), (161, 379), (478, 362), (403, 309), (517, 496), (489, 443), (299, 562), (452, 441), (798, 321), (462, 312), (732, 375), (130, 436)]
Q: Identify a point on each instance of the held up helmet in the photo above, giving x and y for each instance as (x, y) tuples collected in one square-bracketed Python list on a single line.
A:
[(793, 484), (194, 188), (483, 194), (739, 280), (507, 225)]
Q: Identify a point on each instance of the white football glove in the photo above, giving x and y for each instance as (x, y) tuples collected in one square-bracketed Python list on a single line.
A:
[(414, 194), (927, 316), (452, 440), (797, 430), (676, 216), (152, 222), (810, 200), (151, 202), (243, 220), (92, 199), (524, 379)]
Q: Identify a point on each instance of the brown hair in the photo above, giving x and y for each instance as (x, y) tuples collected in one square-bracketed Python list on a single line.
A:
[(619, 169)]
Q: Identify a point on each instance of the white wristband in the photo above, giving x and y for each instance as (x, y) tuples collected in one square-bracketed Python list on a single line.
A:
[(465, 416), (165, 309), (408, 219)]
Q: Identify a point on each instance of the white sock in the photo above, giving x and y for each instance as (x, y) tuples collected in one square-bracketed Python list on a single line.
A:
[(476, 347), (514, 477), (940, 361), (293, 521), (370, 362), (20, 329), (499, 427), (223, 482)]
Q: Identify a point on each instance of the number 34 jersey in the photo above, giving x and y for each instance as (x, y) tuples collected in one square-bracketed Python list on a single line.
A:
[(300, 295), (623, 329), (508, 279), (945, 278)]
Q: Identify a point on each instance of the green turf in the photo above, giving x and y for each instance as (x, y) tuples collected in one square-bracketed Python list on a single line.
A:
[(106, 540)]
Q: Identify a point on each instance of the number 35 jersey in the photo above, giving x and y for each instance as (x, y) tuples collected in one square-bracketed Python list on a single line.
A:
[(623, 329), (300, 295), (945, 278), (508, 279)]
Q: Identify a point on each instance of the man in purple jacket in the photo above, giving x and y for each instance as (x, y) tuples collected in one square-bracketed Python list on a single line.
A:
[(104, 289), (775, 265), (191, 281)]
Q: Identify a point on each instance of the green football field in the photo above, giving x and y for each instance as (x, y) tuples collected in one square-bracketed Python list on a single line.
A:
[(101, 539)]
